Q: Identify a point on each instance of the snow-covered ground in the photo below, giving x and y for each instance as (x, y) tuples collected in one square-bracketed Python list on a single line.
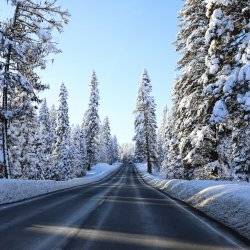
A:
[(225, 201), (16, 190)]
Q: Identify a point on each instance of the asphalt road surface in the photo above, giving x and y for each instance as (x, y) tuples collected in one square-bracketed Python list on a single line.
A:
[(117, 213)]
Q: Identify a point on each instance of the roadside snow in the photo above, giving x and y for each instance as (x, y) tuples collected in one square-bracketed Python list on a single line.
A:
[(225, 201), (16, 190)]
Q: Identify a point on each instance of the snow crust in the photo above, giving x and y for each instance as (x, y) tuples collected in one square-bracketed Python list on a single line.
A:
[(226, 201), (16, 190)]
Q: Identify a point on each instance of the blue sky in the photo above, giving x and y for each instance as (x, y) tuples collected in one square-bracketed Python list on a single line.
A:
[(118, 39)]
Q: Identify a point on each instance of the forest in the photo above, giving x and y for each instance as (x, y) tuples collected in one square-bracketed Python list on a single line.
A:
[(203, 135)]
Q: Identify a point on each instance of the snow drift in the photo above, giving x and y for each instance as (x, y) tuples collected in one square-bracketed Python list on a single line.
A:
[(226, 201), (16, 190)]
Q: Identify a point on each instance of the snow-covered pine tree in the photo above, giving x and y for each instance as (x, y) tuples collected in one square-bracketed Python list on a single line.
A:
[(161, 137), (172, 164), (115, 149), (106, 142), (63, 128), (189, 108), (139, 142), (61, 153), (53, 123), (24, 152), (92, 123), (46, 137), (145, 124), (226, 84), (25, 43), (78, 149)]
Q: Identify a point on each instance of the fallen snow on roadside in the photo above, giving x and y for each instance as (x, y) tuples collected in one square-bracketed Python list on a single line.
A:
[(225, 201), (16, 190)]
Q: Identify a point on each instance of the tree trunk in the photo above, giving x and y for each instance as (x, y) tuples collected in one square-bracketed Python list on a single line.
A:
[(89, 167), (5, 122), (149, 165), (5, 101)]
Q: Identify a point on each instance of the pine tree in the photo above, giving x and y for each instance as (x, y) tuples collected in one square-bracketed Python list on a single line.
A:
[(115, 149), (161, 136), (189, 108), (92, 123), (62, 147), (172, 162), (226, 85), (53, 123), (25, 42), (210, 112), (106, 146), (46, 137), (145, 124), (24, 153), (78, 149)]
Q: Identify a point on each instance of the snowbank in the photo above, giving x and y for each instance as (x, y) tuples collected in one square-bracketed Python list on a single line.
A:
[(225, 201), (16, 190)]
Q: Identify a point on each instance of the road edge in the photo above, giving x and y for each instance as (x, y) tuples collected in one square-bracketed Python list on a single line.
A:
[(215, 223), (104, 178)]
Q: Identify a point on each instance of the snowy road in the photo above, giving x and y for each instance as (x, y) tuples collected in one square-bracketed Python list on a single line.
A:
[(119, 213)]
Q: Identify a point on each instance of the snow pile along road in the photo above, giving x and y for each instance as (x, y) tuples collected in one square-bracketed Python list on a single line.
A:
[(225, 201), (16, 190)]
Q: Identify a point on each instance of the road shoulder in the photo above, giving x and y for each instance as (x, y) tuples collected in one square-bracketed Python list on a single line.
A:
[(162, 186)]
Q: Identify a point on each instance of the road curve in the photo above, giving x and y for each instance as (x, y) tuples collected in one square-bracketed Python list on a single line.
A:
[(118, 213)]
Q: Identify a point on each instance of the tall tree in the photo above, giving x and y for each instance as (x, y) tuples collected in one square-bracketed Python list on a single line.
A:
[(78, 149), (189, 108), (24, 152), (172, 164), (145, 124), (25, 43), (53, 123), (115, 149), (106, 146), (46, 138), (62, 148), (161, 136), (92, 123), (226, 85)]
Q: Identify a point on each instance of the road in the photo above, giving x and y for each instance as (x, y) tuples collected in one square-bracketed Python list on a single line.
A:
[(118, 213)]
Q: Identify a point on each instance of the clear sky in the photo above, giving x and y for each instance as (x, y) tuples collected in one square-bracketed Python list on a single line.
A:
[(118, 39)]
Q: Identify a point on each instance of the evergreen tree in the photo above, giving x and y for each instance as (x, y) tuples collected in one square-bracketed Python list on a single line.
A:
[(145, 124), (53, 123), (161, 137), (106, 146), (92, 123), (172, 164), (46, 137), (78, 149), (25, 42), (115, 149), (189, 108), (62, 147), (24, 153), (210, 121), (226, 85)]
